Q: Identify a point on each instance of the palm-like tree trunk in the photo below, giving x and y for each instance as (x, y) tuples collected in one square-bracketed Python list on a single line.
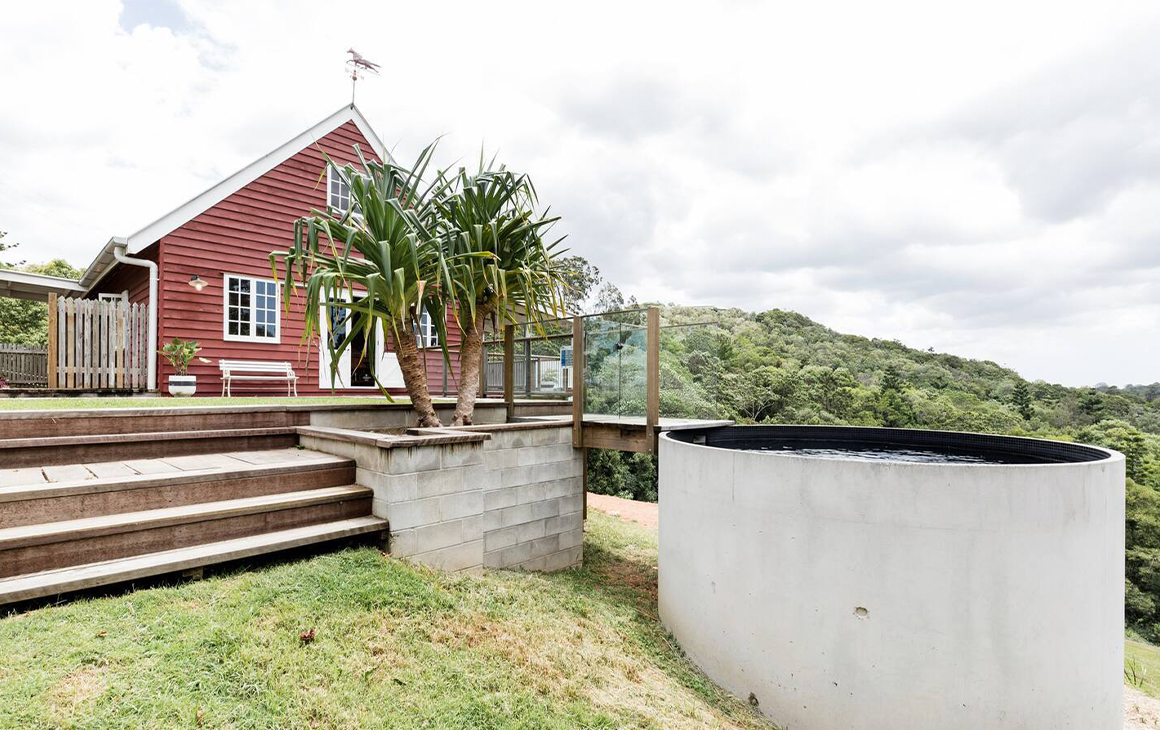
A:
[(414, 374), (470, 357)]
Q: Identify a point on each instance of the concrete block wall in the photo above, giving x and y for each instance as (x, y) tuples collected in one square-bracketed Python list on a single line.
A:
[(533, 500), (503, 496)]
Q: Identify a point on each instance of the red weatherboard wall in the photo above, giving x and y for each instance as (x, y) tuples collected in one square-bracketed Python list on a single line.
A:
[(236, 236)]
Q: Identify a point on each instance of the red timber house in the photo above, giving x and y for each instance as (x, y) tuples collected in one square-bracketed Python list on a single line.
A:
[(224, 237)]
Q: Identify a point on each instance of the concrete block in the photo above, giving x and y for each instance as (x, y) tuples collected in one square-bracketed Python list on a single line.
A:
[(529, 455), (464, 504), (517, 515), (401, 543), (574, 503), (564, 435), (510, 557), (564, 523), (498, 499), (532, 492), (569, 558), (529, 531), (418, 512), (389, 487), (499, 539), (440, 481), (491, 560), (492, 520), (413, 459), (543, 472), (544, 437), (462, 455), (438, 536), (544, 510), (517, 439), (572, 538), (516, 476), (466, 556), (535, 564), (544, 546), (483, 478), (472, 527)]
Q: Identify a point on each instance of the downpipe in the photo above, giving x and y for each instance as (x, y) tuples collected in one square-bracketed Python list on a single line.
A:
[(120, 255)]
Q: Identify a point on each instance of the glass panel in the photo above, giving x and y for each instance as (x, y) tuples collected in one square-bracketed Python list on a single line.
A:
[(693, 383), (616, 359)]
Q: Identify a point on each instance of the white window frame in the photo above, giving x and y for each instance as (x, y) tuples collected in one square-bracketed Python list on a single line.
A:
[(277, 338), (331, 178), (111, 297), (425, 334)]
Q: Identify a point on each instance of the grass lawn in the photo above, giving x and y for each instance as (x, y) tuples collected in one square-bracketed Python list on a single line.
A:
[(38, 404), (1143, 662), (396, 647)]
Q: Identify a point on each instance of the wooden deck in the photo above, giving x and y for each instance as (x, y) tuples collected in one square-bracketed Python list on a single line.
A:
[(30, 476), (631, 433)]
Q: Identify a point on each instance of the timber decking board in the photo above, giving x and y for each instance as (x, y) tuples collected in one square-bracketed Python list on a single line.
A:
[(41, 504), (108, 469), (55, 532), (117, 539), (91, 575), (86, 449), (17, 477), (66, 473)]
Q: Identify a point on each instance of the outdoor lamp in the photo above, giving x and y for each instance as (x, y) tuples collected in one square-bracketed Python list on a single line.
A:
[(197, 282)]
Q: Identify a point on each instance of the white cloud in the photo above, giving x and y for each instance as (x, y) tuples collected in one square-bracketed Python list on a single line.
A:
[(981, 178)]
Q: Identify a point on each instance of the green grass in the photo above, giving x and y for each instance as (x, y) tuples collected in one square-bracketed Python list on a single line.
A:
[(1142, 666), (37, 404), (396, 647)]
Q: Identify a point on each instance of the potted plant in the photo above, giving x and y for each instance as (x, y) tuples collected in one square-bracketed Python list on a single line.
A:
[(180, 354)]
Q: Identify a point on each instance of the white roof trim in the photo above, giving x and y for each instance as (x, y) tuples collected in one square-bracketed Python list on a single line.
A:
[(181, 215), (198, 205), (24, 285)]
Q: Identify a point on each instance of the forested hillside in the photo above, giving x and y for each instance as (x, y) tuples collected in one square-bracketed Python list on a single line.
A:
[(782, 367)]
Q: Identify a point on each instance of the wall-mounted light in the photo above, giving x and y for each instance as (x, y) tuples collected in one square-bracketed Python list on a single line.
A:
[(197, 282)]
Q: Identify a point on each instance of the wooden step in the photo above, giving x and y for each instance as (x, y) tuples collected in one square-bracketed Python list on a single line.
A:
[(91, 575), (32, 504), (52, 450), (30, 424), (35, 548)]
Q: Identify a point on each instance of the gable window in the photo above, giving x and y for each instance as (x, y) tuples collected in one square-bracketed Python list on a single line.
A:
[(425, 334), (337, 191), (251, 309)]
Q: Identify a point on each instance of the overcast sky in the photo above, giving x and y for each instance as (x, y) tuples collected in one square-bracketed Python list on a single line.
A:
[(982, 178)]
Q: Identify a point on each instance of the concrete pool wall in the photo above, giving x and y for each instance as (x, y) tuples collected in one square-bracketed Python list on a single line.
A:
[(837, 593)]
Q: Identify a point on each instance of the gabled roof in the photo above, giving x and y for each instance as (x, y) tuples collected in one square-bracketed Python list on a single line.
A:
[(189, 210)]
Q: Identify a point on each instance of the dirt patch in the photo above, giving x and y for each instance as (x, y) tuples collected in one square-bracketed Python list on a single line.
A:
[(77, 688), (644, 513), (1141, 712)]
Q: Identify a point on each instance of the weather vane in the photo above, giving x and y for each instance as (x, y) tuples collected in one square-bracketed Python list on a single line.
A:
[(357, 63)]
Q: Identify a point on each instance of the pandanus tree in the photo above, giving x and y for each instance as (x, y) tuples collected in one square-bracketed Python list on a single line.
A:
[(500, 268), (378, 264)]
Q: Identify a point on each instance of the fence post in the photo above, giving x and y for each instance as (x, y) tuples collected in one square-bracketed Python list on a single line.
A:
[(509, 386), (577, 382), (653, 375), (52, 341)]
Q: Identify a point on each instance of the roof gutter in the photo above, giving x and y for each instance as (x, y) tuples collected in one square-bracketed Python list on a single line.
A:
[(119, 245)]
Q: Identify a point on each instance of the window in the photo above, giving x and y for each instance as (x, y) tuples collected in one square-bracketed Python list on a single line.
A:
[(251, 309), (337, 191), (425, 334), (109, 297)]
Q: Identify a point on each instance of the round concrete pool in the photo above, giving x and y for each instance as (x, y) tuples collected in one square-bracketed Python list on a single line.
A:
[(892, 579)]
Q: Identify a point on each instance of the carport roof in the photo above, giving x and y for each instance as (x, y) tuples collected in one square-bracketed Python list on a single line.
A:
[(37, 287)]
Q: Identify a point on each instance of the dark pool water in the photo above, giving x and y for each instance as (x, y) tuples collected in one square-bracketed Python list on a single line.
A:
[(913, 456)]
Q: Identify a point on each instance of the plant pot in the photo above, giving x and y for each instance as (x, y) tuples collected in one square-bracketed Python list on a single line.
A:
[(182, 385)]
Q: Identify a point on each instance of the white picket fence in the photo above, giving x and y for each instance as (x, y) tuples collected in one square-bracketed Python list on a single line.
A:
[(97, 345)]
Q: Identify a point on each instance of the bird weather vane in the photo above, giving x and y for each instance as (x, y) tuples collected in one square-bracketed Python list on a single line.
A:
[(357, 63)]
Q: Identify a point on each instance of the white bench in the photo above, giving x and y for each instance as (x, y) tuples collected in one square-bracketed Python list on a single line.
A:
[(257, 370)]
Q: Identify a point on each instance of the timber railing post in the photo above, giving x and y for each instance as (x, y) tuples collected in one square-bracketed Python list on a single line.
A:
[(509, 357), (653, 376), (577, 382), (52, 343)]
